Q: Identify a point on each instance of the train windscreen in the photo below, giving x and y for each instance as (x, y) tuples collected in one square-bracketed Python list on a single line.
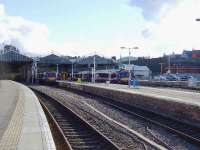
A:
[(51, 74)]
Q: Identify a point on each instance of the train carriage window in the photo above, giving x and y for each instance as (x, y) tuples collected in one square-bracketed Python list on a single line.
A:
[(104, 75)]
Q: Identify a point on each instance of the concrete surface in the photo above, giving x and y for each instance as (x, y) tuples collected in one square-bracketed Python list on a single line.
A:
[(176, 84), (26, 126), (7, 104), (181, 105), (190, 97)]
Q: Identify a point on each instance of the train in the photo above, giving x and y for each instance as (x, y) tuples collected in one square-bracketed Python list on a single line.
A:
[(123, 76), (47, 77), (101, 76)]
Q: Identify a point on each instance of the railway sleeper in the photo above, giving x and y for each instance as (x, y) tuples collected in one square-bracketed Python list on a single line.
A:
[(74, 129), (89, 147), (83, 132), (86, 143), (72, 134), (71, 125), (79, 135), (84, 140)]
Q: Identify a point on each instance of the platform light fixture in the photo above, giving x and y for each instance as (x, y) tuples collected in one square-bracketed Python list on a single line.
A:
[(129, 60), (197, 19)]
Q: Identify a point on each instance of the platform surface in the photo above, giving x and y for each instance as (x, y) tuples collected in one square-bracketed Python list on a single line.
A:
[(23, 122), (181, 95), (179, 104), (8, 99)]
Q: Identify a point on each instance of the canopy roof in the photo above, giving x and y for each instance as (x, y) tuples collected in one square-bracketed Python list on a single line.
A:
[(14, 56), (98, 60), (53, 59)]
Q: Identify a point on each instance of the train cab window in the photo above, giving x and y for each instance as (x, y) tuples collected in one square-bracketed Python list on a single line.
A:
[(51, 74), (114, 75)]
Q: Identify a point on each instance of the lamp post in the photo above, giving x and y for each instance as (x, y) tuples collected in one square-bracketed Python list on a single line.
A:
[(129, 61), (72, 71), (169, 64), (120, 64), (176, 68), (57, 71), (161, 68), (94, 68), (34, 71), (72, 67)]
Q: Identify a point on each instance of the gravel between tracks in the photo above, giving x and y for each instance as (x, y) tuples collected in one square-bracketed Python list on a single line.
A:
[(149, 130), (117, 134)]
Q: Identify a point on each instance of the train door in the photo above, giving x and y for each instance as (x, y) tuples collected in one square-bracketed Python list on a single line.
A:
[(63, 76)]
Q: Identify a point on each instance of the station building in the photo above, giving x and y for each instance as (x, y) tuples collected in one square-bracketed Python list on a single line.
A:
[(66, 65), (14, 65), (187, 62), (101, 63), (140, 72), (53, 63)]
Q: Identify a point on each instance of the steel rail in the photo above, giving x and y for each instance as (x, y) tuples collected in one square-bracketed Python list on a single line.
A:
[(159, 141), (182, 134), (113, 145), (178, 132), (66, 145)]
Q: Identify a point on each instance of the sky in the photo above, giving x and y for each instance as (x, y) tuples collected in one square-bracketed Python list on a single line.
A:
[(85, 27)]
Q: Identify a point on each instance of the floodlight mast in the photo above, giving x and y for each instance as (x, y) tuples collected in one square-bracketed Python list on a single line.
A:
[(129, 61)]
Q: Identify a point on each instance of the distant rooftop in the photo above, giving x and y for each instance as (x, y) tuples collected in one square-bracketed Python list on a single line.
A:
[(98, 60), (14, 56), (54, 59), (135, 67), (126, 59)]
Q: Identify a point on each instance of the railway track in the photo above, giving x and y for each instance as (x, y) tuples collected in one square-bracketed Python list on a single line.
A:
[(186, 131), (191, 134), (76, 132), (183, 130)]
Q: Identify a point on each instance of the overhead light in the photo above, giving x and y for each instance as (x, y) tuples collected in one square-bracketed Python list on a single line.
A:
[(198, 19)]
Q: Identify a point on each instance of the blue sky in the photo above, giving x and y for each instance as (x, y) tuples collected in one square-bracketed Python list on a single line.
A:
[(80, 27), (77, 18)]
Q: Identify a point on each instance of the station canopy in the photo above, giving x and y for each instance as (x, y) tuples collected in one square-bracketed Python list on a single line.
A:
[(53, 60), (14, 56), (98, 60)]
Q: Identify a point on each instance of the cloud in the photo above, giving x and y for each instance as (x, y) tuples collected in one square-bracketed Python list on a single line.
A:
[(25, 34), (158, 26), (153, 9), (146, 33), (177, 30), (2, 11)]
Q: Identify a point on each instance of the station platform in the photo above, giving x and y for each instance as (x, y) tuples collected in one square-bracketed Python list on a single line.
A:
[(179, 95), (23, 124), (182, 105)]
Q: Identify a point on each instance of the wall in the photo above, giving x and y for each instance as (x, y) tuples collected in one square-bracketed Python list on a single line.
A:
[(183, 112)]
